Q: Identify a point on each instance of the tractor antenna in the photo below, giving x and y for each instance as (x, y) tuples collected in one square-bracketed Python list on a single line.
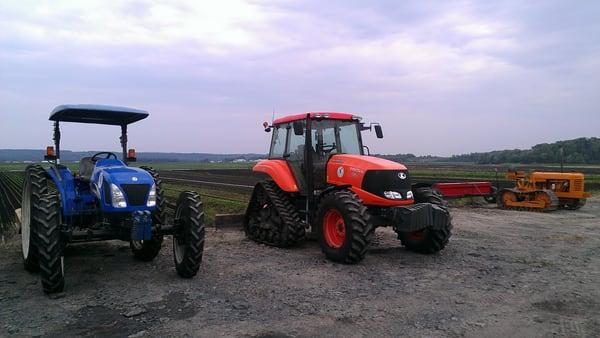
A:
[(273, 116)]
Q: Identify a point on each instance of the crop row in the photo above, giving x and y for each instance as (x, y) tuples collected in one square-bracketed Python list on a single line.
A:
[(11, 185)]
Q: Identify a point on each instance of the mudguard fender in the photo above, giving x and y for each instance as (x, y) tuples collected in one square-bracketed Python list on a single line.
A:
[(280, 172)]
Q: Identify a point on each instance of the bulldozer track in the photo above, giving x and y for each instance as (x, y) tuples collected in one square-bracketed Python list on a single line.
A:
[(288, 232), (554, 202)]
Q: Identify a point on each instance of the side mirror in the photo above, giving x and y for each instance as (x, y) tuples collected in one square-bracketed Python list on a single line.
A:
[(266, 126), (298, 128), (378, 131)]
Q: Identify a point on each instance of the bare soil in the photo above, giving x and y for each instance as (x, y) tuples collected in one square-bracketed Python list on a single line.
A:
[(504, 273)]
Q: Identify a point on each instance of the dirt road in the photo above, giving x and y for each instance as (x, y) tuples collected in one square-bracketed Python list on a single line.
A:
[(503, 274)]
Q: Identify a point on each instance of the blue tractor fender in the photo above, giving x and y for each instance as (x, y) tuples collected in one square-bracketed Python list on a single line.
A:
[(65, 184)]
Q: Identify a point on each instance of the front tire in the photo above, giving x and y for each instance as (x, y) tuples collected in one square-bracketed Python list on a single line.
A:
[(428, 240), (35, 186), (49, 244), (147, 250), (344, 228), (188, 241)]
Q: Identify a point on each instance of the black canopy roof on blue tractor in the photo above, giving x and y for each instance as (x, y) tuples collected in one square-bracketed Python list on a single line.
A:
[(97, 114)]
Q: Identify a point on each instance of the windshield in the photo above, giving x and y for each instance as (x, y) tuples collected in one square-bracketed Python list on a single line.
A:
[(336, 137), (278, 141)]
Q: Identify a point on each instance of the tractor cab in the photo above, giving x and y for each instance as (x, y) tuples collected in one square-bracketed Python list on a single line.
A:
[(330, 134)]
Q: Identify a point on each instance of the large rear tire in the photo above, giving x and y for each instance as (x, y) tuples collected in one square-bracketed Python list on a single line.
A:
[(344, 228), (149, 249), (34, 187), (188, 241), (49, 244), (272, 218), (428, 240)]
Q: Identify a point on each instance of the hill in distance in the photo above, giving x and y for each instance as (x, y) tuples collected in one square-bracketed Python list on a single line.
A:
[(23, 155), (578, 151)]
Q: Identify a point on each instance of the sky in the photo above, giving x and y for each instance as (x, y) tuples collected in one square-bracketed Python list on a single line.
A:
[(442, 77)]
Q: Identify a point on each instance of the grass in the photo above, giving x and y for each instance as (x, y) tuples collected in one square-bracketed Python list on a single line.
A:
[(469, 172), (194, 166), (215, 201)]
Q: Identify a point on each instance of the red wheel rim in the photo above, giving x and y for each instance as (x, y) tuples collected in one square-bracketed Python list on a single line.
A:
[(416, 236), (334, 228)]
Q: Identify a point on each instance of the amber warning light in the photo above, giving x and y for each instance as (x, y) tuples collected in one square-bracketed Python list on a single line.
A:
[(50, 154), (131, 157)]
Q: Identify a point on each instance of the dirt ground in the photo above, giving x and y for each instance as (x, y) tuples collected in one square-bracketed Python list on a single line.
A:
[(504, 273)]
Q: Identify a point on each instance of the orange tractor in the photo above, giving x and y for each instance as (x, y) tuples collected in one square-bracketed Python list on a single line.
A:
[(319, 178), (543, 191)]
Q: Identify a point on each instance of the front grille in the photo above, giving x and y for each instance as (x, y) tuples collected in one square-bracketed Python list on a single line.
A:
[(378, 181), (135, 193), (578, 185)]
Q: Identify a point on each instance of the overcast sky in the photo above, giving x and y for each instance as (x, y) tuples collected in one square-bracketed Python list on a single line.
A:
[(442, 77)]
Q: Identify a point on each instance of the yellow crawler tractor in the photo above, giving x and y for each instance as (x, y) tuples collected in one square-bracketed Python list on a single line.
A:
[(543, 191)]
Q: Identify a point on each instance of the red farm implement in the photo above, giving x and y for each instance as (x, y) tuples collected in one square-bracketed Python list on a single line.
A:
[(467, 189)]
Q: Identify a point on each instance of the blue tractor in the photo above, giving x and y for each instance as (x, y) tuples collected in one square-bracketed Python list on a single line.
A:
[(104, 200)]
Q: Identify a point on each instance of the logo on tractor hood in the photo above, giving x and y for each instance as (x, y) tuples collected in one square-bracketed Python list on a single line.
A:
[(135, 179), (402, 175), (340, 171)]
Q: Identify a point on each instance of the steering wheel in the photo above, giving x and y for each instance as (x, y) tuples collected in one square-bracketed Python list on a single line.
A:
[(328, 148), (107, 154)]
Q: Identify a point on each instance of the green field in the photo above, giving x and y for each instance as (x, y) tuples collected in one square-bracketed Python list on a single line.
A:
[(215, 201), (420, 170), (223, 201)]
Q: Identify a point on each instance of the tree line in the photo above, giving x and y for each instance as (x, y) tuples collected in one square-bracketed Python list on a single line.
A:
[(578, 151)]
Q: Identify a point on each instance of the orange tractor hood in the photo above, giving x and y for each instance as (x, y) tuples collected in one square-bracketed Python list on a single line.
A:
[(365, 162), (350, 170)]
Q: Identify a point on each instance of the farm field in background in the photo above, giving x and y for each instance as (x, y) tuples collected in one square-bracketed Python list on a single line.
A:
[(226, 186), (433, 169)]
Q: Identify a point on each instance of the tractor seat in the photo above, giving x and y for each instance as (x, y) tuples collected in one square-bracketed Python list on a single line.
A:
[(86, 168)]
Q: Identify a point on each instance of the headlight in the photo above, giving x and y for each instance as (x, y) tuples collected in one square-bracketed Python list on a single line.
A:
[(152, 196), (392, 195), (409, 195), (118, 198)]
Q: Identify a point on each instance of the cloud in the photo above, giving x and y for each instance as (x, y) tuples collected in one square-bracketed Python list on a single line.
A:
[(456, 71)]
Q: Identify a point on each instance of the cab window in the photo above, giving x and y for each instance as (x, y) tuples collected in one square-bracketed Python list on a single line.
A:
[(349, 142), (296, 145), (278, 141), (333, 137)]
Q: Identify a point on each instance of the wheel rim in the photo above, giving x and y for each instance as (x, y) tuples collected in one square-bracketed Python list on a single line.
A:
[(416, 236), (179, 237), (544, 198), (508, 197), (334, 228), (26, 221), (179, 247)]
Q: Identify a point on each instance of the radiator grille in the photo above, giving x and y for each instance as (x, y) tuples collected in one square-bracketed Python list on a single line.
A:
[(578, 185), (378, 181), (135, 193)]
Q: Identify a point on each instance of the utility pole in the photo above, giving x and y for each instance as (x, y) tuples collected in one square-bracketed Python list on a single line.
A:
[(562, 161)]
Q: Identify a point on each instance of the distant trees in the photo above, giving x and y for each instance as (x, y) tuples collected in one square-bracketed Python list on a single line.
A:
[(578, 151)]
